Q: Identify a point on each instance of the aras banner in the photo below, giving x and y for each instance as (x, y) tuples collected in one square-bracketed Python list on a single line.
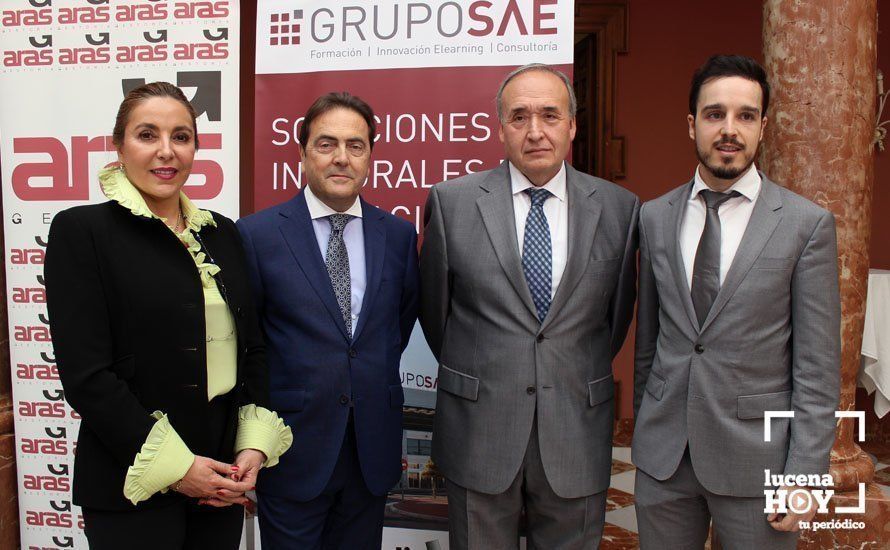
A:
[(65, 66), (430, 69)]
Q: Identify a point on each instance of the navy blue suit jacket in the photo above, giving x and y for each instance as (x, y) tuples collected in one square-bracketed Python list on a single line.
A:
[(316, 371)]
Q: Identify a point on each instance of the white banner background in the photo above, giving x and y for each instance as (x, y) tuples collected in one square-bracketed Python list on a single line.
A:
[(63, 64)]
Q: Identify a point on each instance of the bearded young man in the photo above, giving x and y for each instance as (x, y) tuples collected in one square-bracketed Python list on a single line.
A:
[(739, 314)]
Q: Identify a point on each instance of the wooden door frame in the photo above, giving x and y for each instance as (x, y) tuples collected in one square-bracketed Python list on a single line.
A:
[(608, 21)]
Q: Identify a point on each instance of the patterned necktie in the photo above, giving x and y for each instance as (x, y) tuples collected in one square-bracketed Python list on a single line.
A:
[(337, 262), (536, 252), (706, 269)]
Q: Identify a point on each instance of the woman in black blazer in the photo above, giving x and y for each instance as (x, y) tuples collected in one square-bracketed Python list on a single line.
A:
[(158, 345)]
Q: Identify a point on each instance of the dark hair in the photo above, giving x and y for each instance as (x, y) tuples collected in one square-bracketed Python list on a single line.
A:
[(499, 98), (141, 93), (338, 100), (719, 66)]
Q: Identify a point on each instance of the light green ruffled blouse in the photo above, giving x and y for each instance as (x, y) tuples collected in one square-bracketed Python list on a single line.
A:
[(164, 457)]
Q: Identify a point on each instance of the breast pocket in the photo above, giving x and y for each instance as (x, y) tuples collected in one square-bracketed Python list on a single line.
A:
[(773, 264), (602, 269)]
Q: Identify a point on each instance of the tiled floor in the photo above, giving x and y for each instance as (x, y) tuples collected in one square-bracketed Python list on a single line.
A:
[(620, 532), (621, 520)]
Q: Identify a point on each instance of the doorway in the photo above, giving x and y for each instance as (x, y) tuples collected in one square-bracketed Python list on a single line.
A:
[(600, 35)]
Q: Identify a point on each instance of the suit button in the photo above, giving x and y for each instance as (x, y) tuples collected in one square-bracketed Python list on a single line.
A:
[(699, 349), (530, 390), (344, 400), (353, 353), (540, 338)]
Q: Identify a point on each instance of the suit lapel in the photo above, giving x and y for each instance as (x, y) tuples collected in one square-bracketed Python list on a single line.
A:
[(584, 216), (672, 224), (763, 222), (375, 250), (496, 208), (299, 234)]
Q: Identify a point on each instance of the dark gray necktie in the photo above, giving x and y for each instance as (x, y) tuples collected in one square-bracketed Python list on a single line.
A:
[(706, 270), (536, 252), (337, 262)]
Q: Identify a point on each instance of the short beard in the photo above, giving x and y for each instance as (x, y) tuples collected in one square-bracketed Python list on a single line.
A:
[(725, 172)]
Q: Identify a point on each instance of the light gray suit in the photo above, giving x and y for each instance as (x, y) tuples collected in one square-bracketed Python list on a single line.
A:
[(770, 342), (502, 371)]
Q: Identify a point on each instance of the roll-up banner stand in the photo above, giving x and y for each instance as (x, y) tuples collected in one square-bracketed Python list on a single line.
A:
[(65, 66), (430, 70)]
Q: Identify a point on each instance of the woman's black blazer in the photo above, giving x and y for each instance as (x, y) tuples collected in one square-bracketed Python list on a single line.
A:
[(126, 312)]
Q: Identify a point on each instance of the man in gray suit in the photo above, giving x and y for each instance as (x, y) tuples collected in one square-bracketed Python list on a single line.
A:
[(739, 315), (528, 275)]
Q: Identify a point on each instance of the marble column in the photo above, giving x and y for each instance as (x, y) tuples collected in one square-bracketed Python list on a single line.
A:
[(820, 56)]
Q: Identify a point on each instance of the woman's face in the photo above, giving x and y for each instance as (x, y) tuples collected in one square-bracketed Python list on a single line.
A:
[(158, 149)]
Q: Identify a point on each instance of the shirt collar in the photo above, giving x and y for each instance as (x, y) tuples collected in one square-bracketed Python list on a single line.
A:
[(117, 187), (318, 209), (556, 186), (748, 185)]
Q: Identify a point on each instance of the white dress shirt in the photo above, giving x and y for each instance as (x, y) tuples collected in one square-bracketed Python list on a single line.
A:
[(556, 210), (353, 238), (734, 215)]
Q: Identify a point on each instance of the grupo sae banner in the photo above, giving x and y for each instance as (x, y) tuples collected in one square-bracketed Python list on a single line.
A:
[(430, 70)]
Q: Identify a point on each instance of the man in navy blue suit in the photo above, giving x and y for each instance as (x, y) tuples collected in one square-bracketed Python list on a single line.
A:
[(336, 285)]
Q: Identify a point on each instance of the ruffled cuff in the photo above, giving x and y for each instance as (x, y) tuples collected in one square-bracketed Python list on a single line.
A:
[(263, 430), (163, 460)]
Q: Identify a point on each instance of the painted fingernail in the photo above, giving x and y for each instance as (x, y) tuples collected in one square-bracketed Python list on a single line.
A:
[(253, 488), (234, 468)]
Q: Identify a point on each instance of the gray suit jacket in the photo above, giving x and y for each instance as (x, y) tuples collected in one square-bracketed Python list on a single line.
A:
[(497, 363), (770, 342)]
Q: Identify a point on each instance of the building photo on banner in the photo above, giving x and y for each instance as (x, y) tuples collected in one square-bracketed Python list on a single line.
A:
[(66, 66)]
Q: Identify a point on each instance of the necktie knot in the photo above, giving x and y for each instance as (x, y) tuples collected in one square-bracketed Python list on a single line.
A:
[(713, 199), (538, 196), (339, 221)]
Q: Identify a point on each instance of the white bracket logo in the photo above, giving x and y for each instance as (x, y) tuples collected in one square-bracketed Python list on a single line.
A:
[(860, 417), (767, 418)]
